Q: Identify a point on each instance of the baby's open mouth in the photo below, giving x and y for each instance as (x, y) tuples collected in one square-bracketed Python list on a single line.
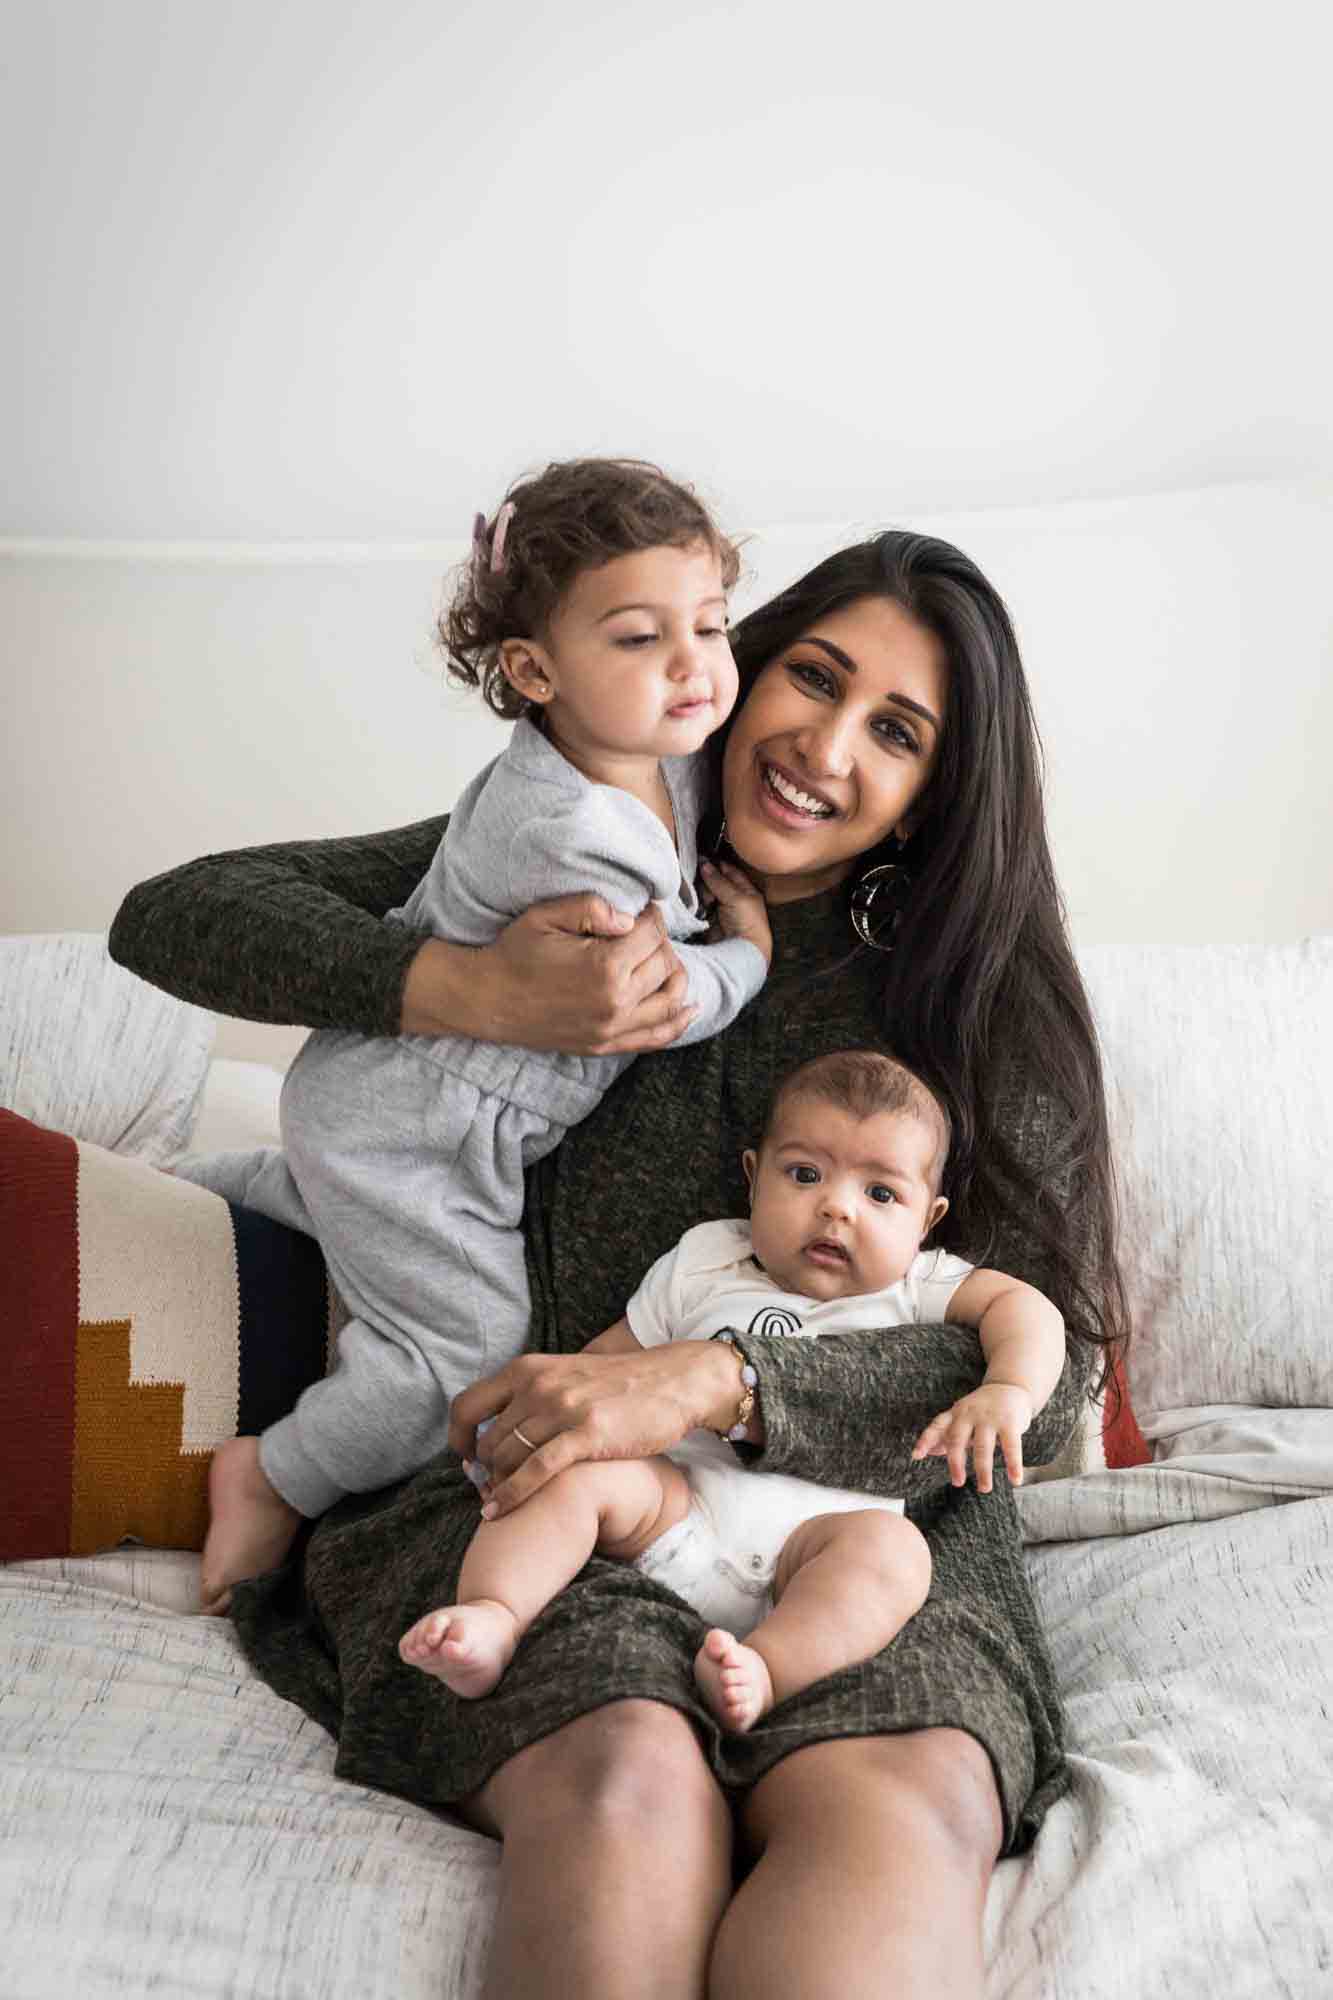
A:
[(792, 795), (825, 1250)]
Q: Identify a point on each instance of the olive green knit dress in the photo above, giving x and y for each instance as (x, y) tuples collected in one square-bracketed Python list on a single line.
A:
[(269, 934)]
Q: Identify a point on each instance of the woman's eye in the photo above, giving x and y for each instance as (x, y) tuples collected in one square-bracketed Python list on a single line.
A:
[(882, 1194), (897, 733), (812, 676)]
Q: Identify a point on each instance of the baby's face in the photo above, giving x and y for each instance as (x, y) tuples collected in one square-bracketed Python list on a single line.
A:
[(839, 1204), (638, 663)]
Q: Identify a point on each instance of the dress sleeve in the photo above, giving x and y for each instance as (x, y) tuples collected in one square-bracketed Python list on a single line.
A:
[(292, 933), (847, 1409)]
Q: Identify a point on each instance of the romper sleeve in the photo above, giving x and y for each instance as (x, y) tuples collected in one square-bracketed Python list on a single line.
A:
[(631, 861), (847, 1409), (290, 933)]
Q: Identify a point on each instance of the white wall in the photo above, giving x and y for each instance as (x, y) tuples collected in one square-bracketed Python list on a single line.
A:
[(316, 269), (1180, 648)]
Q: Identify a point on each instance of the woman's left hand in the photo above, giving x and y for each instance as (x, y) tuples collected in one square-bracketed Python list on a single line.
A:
[(576, 1406)]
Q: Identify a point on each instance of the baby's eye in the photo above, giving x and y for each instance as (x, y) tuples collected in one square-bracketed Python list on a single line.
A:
[(637, 639), (804, 1176), (878, 1192)]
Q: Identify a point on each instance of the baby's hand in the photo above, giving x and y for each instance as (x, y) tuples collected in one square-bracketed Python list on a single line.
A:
[(998, 1409), (741, 910)]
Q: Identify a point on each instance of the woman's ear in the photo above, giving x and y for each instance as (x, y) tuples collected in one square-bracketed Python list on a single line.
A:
[(525, 667)]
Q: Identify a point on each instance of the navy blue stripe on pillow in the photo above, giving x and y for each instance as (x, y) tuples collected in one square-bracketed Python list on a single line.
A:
[(284, 1314)]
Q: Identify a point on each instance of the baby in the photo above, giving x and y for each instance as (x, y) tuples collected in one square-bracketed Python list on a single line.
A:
[(594, 615), (795, 1580)]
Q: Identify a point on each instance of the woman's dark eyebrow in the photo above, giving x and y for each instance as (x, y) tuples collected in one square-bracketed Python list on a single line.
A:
[(846, 660)]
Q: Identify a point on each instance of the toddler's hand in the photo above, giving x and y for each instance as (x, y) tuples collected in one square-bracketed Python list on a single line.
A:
[(996, 1410), (741, 909)]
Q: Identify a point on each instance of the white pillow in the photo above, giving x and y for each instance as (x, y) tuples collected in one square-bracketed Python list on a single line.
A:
[(89, 1049), (1219, 1063), (239, 1107)]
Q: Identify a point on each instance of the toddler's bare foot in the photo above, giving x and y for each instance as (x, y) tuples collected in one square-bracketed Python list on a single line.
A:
[(250, 1527), (733, 1679), (468, 1646)]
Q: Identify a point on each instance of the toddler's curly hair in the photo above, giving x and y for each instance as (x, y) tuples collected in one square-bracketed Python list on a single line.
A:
[(576, 515)]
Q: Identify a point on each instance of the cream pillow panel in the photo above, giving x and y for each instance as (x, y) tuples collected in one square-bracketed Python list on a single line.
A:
[(1219, 1066), (88, 1049)]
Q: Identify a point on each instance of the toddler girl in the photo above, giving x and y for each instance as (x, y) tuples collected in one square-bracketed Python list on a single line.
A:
[(844, 1188), (594, 614)]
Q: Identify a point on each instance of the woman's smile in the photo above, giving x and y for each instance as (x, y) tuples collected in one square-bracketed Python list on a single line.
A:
[(833, 748), (790, 802)]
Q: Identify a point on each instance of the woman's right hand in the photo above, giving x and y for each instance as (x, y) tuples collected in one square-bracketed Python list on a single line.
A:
[(572, 974), (550, 1411)]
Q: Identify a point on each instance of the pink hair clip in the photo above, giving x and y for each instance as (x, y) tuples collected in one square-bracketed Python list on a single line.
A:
[(498, 534)]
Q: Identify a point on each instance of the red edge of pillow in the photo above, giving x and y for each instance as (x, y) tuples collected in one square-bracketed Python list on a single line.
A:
[(1122, 1440)]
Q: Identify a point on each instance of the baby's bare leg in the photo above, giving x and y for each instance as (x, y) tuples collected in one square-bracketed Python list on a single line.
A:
[(250, 1525), (845, 1585), (515, 1565)]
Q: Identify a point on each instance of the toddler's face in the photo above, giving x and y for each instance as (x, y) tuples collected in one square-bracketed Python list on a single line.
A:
[(839, 1204), (637, 661)]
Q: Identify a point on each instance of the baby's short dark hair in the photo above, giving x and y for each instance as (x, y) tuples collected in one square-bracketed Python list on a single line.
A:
[(865, 1082), (576, 515)]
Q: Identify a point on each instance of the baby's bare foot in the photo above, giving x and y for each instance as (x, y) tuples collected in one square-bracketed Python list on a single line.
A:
[(733, 1679), (468, 1646), (250, 1527)]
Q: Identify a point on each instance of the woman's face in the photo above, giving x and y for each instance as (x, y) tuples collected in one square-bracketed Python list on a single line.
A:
[(833, 747)]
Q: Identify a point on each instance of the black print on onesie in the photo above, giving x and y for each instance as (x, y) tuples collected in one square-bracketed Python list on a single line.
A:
[(775, 1320)]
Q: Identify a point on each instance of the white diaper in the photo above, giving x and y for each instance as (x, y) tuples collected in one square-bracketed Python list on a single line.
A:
[(722, 1556)]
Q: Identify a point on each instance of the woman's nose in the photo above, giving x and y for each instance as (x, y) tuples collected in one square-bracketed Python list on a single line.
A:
[(827, 747)]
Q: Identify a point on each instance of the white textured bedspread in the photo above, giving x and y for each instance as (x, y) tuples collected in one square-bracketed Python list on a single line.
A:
[(168, 1826)]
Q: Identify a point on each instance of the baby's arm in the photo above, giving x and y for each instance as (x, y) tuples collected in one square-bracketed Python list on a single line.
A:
[(1022, 1336), (591, 845), (616, 1340), (722, 975)]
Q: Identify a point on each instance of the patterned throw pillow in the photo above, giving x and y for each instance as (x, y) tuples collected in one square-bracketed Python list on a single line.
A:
[(142, 1322)]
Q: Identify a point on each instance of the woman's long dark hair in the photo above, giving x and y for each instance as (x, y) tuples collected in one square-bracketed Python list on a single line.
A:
[(980, 991)]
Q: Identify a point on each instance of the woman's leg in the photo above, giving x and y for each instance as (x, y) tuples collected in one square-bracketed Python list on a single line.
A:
[(517, 1564), (845, 1585), (617, 1860), (874, 1854)]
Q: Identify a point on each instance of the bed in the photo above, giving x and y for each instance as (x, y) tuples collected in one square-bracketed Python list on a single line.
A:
[(168, 1825)]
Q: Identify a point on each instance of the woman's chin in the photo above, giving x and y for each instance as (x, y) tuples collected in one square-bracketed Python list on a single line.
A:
[(785, 861)]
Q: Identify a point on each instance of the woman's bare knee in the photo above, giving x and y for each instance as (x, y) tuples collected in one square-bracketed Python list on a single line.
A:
[(634, 1766), (938, 1782)]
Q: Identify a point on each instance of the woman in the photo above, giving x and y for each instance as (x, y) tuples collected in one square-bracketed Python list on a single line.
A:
[(879, 779)]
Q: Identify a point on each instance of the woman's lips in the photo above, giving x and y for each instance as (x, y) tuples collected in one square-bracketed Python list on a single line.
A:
[(781, 810)]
